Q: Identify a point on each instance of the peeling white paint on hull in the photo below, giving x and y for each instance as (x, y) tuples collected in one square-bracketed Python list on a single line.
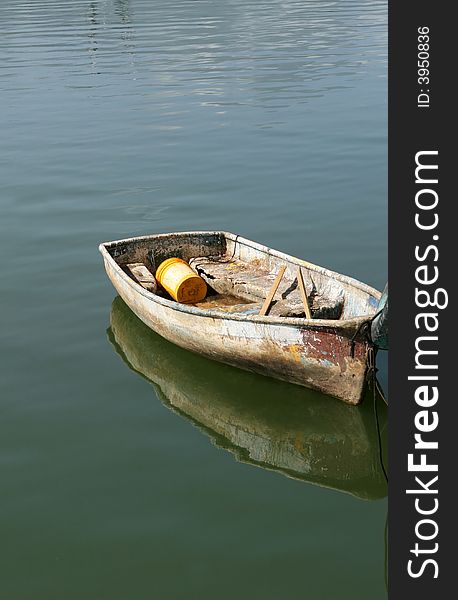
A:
[(313, 353)]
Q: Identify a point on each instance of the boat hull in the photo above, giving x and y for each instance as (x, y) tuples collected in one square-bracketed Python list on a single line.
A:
[(321, 357), (276, 426)]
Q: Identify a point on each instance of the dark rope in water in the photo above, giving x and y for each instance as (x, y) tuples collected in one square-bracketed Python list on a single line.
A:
[(377, 422), (376, 387)]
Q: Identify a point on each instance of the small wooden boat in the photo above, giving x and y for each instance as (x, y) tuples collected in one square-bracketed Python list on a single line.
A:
[(329, 352), (269, 424)]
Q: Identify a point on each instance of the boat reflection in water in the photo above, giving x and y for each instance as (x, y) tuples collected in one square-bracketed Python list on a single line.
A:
[(264, 422)]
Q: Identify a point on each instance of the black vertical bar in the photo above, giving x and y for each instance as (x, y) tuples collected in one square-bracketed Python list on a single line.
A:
[(421, 121)]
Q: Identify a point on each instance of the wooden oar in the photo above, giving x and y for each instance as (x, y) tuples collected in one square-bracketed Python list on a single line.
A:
[(268, 301), (305, 300)]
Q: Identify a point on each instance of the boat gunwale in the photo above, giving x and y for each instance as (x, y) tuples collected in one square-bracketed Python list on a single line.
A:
[(255, 319)]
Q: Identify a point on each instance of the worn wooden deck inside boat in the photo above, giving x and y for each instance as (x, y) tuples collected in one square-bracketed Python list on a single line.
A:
[(240, 272)]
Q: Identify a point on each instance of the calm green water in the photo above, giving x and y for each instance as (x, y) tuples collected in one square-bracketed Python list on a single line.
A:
[(123, 117)]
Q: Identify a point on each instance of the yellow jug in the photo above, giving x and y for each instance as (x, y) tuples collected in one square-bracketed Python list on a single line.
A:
[(180, 281)]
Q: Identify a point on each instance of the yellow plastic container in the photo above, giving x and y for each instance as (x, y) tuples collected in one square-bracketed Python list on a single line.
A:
[(180, 281)]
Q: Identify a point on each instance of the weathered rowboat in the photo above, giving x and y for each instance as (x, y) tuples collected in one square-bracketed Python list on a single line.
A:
[(269, 424), (330, 352)]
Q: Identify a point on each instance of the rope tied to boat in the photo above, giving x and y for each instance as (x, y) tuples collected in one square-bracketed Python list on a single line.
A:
[(364, 330)]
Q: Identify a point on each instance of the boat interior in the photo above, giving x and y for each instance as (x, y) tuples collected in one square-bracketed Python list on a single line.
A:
[(240, 275)]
